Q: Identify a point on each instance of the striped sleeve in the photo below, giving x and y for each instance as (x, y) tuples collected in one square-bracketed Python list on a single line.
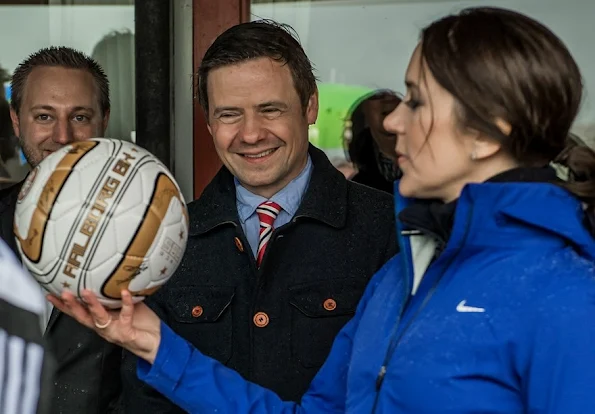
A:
[(24, 365)]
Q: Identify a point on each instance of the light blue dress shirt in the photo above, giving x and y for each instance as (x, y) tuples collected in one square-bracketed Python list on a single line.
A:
[(289, 198)]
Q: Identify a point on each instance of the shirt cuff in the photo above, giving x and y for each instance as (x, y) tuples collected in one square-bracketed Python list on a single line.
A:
[(170, 363)]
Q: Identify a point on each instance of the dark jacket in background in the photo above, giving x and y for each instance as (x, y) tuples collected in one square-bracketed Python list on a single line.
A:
[(362, 154), (87, 379), (313, 274), (372, 178)]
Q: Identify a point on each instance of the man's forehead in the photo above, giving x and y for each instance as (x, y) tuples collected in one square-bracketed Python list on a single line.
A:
[(261, 64), (62, 85), (56, 73), (251, 83), (252, 73)]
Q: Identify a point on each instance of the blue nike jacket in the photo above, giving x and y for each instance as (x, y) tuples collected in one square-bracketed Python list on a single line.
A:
[(503, 321)]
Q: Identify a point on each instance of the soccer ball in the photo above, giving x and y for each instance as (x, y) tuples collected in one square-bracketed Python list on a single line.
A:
[(103, 215)]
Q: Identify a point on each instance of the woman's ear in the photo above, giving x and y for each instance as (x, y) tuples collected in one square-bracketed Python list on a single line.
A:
[(484, 146)]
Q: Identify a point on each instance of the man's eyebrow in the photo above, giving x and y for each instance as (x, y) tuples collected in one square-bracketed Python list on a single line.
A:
[(276, 104), (83, 108), (44, 107), (51, 108)]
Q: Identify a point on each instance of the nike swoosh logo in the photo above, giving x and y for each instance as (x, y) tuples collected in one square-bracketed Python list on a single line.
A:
[(462, 307)]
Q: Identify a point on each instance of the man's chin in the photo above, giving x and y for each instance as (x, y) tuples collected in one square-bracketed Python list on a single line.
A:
[(33, 159), (257, 183), (46, 154)]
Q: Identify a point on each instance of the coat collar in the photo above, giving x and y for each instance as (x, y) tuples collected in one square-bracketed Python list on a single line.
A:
[(497, 213), (325, 199)]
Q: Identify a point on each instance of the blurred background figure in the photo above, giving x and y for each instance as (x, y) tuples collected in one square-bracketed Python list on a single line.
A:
[(8, 146), (115, 53), (334, 122), (6, 149), (370, 147), (346, 167), (12, 167)]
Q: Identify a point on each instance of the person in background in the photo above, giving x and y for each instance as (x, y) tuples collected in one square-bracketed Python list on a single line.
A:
[(60, 95), (371, 149), (26, 371), (345, 167), (13, 168), (489, 307), (5, 179), (8, 145), (115, 52), (281, 245)]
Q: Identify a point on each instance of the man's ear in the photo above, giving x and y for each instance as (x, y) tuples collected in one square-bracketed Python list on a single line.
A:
[(312, 108), (16, 125), (105, 120)]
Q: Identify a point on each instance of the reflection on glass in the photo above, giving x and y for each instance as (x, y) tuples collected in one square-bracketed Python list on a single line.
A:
[(367, 44)]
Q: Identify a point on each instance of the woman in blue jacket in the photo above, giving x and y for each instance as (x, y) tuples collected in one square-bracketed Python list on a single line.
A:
[(490, 306)]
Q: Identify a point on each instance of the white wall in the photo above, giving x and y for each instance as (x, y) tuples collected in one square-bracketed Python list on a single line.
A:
[(369, 42)]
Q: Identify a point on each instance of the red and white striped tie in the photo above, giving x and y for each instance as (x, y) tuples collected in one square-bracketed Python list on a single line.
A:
[(267, 213)]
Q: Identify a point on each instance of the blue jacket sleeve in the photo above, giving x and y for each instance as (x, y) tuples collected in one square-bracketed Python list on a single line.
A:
[(561, 367), (199, 384)]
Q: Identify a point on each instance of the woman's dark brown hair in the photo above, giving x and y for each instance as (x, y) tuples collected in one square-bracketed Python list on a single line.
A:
[(500, 64)]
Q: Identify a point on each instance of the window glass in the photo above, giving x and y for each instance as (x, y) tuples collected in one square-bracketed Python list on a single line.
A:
[(363, 45)]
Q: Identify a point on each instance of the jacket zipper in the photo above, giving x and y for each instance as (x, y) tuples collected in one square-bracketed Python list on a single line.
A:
[(396, 340)]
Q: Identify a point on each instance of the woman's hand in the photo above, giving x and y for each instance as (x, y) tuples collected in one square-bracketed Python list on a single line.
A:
[(135, 327)]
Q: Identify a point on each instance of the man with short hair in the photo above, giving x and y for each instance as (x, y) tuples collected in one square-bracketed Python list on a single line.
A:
[(59, 96), (281, 245)]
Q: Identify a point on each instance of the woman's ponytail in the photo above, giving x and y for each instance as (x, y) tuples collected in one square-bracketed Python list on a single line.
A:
[(579, 159)]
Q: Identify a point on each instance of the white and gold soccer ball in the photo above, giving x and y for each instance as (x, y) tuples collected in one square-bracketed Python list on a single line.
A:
[(103, 215)]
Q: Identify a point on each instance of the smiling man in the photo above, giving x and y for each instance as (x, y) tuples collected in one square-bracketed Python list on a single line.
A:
[(260, 124), (281, 245), (60, 95)]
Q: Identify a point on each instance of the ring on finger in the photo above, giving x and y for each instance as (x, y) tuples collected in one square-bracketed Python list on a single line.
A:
[(103, 325)]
